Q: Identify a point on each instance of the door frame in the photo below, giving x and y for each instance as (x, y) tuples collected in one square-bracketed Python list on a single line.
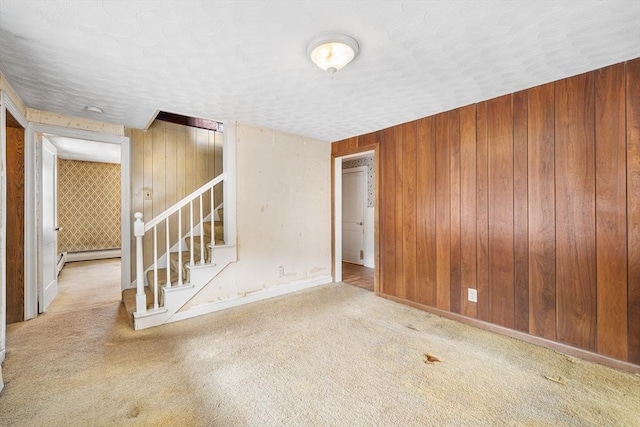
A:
[(7, 105), (337, 214), (33, 153)]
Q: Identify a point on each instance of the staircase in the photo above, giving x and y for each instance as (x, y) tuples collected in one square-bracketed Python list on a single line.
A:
[(186, 264)]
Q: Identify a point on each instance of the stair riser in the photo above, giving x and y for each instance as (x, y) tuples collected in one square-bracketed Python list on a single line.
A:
[(176, 298)]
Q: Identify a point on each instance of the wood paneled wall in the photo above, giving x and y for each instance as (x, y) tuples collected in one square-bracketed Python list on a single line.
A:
[(171, 161), (533, 199), (15, 225)]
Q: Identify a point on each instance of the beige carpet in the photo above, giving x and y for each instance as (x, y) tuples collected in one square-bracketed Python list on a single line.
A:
[(335, 355), (85, 284)]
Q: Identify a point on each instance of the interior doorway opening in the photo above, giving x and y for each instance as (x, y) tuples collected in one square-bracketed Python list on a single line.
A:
[(81, 209), (355, 219), (33, 206)]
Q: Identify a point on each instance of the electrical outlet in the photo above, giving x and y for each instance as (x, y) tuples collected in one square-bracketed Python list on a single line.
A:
[(473, 294), (281, 271)]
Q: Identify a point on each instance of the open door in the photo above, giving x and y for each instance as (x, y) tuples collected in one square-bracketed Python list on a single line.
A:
[(353, 210), (48, 288)]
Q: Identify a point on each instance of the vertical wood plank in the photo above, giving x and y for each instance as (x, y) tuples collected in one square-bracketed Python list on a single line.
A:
[(541, 211), (192, 162), (611, 218), (426, 213), (171, 164), (443, 213), (633, 206), (136, 138), (159, 178), (388, 212), (500, 182), (409, 212), (456, 273), (171, 177), (520, 213), (400, 285), (219, 142), (183, 169), (468, 207), (148, 185), (202, 170), (211, 155), (482, 221), (575, 218), (15, 225)]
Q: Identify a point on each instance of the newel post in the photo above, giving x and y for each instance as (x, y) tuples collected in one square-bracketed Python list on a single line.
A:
[(141, 297)]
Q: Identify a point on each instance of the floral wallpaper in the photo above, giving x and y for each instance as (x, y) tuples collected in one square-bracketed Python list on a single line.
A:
[(368, 162)]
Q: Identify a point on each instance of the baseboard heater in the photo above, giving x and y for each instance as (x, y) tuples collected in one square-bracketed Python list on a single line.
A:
[(90, 255)]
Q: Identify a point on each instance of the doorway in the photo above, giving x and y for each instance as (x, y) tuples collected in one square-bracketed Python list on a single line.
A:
[(355, 219), (33, 212), (354, 206), (81, 202)]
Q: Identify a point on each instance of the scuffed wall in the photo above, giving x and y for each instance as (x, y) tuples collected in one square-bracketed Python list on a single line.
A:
[(89, 207), (283, 214)]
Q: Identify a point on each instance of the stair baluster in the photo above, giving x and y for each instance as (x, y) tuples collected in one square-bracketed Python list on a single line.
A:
[(212, 218), (155, 266), (168, 284), (191, 235), (201, 233), (180, 247)]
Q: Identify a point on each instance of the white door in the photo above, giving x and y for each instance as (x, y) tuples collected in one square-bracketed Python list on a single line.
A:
[(49, 285), (353, 207)]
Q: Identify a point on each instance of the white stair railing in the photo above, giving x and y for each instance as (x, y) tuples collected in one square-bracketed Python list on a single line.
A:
[(141, 228)]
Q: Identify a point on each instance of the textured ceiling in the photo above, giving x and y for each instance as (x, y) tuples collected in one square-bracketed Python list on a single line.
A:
[(246, 60)]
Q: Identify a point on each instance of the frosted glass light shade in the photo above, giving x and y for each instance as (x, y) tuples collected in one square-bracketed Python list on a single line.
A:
[(332, 52)]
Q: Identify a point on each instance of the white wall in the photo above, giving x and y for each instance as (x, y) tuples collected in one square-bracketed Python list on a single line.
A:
[(283, 215)]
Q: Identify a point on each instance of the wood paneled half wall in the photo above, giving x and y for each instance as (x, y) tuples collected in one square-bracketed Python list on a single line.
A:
[(532, 199)]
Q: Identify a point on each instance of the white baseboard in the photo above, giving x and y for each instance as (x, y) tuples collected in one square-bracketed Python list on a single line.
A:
[(91, 255), (237, 300)]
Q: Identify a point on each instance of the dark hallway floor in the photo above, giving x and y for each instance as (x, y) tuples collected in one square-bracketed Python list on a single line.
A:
[(358, 275)]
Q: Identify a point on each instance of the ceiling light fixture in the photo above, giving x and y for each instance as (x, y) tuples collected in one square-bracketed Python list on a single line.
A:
[(94, 109), (332, 52)]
